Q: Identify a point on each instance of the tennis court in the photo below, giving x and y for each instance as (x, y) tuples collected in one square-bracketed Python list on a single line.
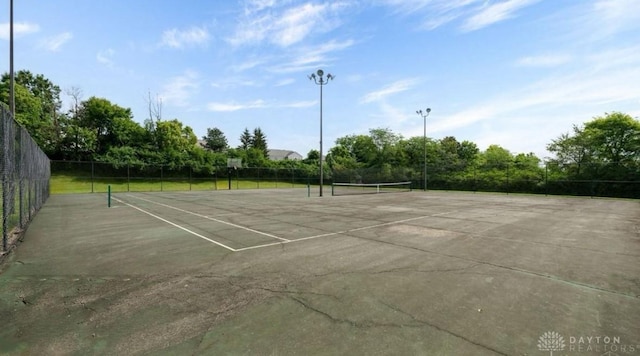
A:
[(277, 272)]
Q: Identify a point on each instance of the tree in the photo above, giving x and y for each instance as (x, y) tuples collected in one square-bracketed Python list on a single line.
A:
[(37, 102), (312, 156), (571, 149), (360, 147), (215, 140), (386, 143), (614, 138), (338, 157), (468, 151), (76, 95), (108, 122), (246, 139), (497, 157), (259, 141), (173, 136), (607, 147)]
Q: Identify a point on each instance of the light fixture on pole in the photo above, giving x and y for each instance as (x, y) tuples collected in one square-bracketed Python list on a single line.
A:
[(424, 141), (320, 80)]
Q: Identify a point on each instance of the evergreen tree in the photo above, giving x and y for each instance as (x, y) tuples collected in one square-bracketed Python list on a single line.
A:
[(246, 140), (259, 141), (215, 140)]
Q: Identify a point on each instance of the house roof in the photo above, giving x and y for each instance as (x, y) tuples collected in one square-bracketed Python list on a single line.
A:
[(276, 154)]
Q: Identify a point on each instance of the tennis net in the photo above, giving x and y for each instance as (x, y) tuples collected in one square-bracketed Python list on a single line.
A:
[(369, 188)]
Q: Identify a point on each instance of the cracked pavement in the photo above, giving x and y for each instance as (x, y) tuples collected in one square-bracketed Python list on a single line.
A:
[(436, 273)]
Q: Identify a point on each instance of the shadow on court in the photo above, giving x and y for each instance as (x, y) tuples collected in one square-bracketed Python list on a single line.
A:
[(278, 273)]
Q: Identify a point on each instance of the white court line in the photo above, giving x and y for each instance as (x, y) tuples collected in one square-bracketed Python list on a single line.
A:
[(176, 225), (342, 232), (214, 219)]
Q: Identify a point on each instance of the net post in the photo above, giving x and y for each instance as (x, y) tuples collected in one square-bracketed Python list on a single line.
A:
[(109, 196)]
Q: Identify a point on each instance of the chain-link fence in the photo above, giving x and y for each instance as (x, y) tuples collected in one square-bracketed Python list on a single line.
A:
[(587, 179), (25, 171), (606, 180), (95, 177)]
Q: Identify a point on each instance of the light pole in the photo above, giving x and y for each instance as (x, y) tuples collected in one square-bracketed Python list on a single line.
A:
[(424, 141), (12, 95), (321, 81)]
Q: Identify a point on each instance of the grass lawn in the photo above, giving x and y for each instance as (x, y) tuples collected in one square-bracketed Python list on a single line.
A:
[(64, 184)]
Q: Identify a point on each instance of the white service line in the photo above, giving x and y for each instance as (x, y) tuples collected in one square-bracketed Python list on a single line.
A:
[(176, 225), (214, 219), (342, 232)]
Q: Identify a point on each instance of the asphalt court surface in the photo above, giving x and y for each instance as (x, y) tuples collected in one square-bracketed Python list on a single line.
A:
[(247, 224), (275, 272)]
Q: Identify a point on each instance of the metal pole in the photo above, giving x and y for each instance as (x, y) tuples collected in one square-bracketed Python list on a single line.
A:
[(320, 80), (321, 172), (424, 141), (12, 98)]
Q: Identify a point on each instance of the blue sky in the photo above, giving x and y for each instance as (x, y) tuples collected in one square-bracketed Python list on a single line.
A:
[(517, 73)]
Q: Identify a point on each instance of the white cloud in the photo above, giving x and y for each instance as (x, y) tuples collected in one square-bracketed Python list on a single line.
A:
[(289, 26), (106, 57), (54, 43), (301, 104), (194, 36), (610, 79), (246, 65), (618, 14), (548, 60), (233, 82), (284, 82), (477, 14), (494, 13), (179, 89), (233, 106), (256, 104), (19, 29), (393, 88), (604, 19), (311, 57)]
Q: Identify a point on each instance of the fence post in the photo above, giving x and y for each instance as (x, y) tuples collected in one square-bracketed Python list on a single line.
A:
[(92, 175), (20, 177), (475, 180), (546, 178), (190, 169), (5, 183), (507, 178), (128, 177), (161, 175)]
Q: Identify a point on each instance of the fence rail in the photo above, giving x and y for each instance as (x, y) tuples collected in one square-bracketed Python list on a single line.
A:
[(25, 171), (586, 180), (94, 177)]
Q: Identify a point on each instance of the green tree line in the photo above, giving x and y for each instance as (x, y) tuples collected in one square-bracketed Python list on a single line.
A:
[(605, 148)]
